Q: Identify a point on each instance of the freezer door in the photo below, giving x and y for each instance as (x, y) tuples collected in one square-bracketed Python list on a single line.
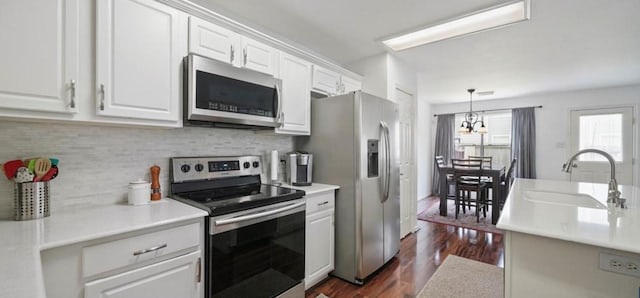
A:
[(369, 216), (391, 206)]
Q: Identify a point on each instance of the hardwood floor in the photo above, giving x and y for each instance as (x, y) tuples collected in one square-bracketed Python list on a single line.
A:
[(420, 255)]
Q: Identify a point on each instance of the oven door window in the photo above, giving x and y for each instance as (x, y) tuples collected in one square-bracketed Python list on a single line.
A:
[(219, 93), (261, 260)]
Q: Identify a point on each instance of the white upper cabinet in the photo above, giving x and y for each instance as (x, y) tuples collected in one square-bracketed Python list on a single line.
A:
[(259, 57), (296, 95), (326, 81), (350, 85), (332, 83), (139, 49), (39, 61), (212, 41)]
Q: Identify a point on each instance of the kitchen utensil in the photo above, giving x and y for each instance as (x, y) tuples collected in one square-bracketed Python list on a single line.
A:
[(31, 200), (30, 164), (54, 161), (155, 183), (55, 173), (42, 166), (10, 168), (23, 175), (52, 173)]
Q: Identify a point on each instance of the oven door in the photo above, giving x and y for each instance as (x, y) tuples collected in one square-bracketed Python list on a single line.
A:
[(257, 252), (219, 92)]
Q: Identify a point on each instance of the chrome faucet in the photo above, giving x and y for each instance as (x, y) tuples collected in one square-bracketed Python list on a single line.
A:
[(613, 193)]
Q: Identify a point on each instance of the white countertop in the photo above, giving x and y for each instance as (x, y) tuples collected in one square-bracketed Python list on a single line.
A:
[(22, 241), (612, 227), (313, 188)]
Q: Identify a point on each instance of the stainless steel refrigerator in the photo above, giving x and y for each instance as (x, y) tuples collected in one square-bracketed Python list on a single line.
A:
[(355, 143)]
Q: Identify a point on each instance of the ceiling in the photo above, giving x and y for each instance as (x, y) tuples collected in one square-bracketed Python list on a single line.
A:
[(566, 45)]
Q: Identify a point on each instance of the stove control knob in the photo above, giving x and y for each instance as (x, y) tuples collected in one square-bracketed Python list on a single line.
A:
[(256, 164), (246, 164), (199, 167), (185, 168)]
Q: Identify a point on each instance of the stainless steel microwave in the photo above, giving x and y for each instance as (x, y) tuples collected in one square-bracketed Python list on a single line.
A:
[(219, 93)]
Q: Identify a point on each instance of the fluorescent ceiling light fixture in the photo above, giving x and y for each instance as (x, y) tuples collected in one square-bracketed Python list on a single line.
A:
[(482, 20)]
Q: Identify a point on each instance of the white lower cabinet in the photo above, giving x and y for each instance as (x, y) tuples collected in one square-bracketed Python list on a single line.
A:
[(164, 262), (319, 237), (169, 279)]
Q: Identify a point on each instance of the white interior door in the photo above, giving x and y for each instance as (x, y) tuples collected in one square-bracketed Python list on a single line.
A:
[(408, 201), (610, 130)]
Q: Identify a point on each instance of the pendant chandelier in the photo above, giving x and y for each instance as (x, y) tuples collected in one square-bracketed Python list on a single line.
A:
[(471, 119)]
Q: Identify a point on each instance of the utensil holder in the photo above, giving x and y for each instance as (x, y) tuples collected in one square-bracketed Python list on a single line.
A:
[(31, 200)]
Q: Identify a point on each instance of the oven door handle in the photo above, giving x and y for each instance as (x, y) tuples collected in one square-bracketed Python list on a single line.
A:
[(257, 215)]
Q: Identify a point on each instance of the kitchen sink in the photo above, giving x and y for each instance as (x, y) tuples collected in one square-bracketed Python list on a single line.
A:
[(564, 199)]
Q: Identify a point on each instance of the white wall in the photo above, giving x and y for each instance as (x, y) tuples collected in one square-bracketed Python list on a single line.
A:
[(425, 145), (374, 74), (553, 121)]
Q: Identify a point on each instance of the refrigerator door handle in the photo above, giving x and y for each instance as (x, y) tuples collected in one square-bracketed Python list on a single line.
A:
[(387, 161), (388, 154), (384, 160)]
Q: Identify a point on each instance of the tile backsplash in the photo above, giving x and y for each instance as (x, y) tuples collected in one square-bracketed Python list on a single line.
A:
[(98, 162)]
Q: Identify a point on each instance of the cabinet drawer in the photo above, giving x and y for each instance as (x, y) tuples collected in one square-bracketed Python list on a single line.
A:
[(120, 253), (320, 201)]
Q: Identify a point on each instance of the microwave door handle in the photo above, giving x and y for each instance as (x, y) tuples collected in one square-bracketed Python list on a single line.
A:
[(279, 116)]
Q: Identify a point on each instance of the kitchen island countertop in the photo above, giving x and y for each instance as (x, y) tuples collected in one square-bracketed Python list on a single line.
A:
[(528, 210), (22, 241)]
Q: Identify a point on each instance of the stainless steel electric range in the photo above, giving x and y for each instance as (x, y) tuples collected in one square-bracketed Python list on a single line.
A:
[(254, 242)]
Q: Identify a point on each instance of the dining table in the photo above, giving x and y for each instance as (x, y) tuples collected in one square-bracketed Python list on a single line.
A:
[(496, 173)]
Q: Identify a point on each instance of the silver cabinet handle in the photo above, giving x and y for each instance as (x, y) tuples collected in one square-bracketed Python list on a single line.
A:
[(150, 249), (244, 56), (101, 91), (323, 203), (72, 103), (233, 52)]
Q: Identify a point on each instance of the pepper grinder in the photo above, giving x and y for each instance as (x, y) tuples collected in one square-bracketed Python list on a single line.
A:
[(155, 183)]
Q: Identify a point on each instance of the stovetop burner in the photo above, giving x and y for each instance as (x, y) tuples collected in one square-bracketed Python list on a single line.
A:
[(232, 199)]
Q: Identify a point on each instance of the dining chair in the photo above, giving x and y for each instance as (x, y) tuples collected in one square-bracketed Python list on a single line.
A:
[(486, 160), (467, 174), (507, 182), (450, 181)]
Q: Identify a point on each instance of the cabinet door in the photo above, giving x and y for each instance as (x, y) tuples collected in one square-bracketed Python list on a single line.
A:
[(177, 277), (259, 57), (296, 95), (139, 49), (325, 81), (319, 246), (350, 85), (40, 57), (212, 41)]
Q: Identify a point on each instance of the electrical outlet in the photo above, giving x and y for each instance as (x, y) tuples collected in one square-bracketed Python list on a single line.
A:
[(620, 264)]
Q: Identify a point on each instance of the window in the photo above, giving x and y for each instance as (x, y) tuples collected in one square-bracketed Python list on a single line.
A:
[(602, 132), (496, 143)]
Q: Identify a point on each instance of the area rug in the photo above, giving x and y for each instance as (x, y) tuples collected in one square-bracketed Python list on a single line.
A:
[(461, 278), (467, 220)]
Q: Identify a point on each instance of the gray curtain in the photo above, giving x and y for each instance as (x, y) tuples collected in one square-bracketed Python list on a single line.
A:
[(444, 145), (523, 142)]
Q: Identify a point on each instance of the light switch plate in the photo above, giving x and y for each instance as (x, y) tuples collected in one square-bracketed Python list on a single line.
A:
[(619, 264)]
